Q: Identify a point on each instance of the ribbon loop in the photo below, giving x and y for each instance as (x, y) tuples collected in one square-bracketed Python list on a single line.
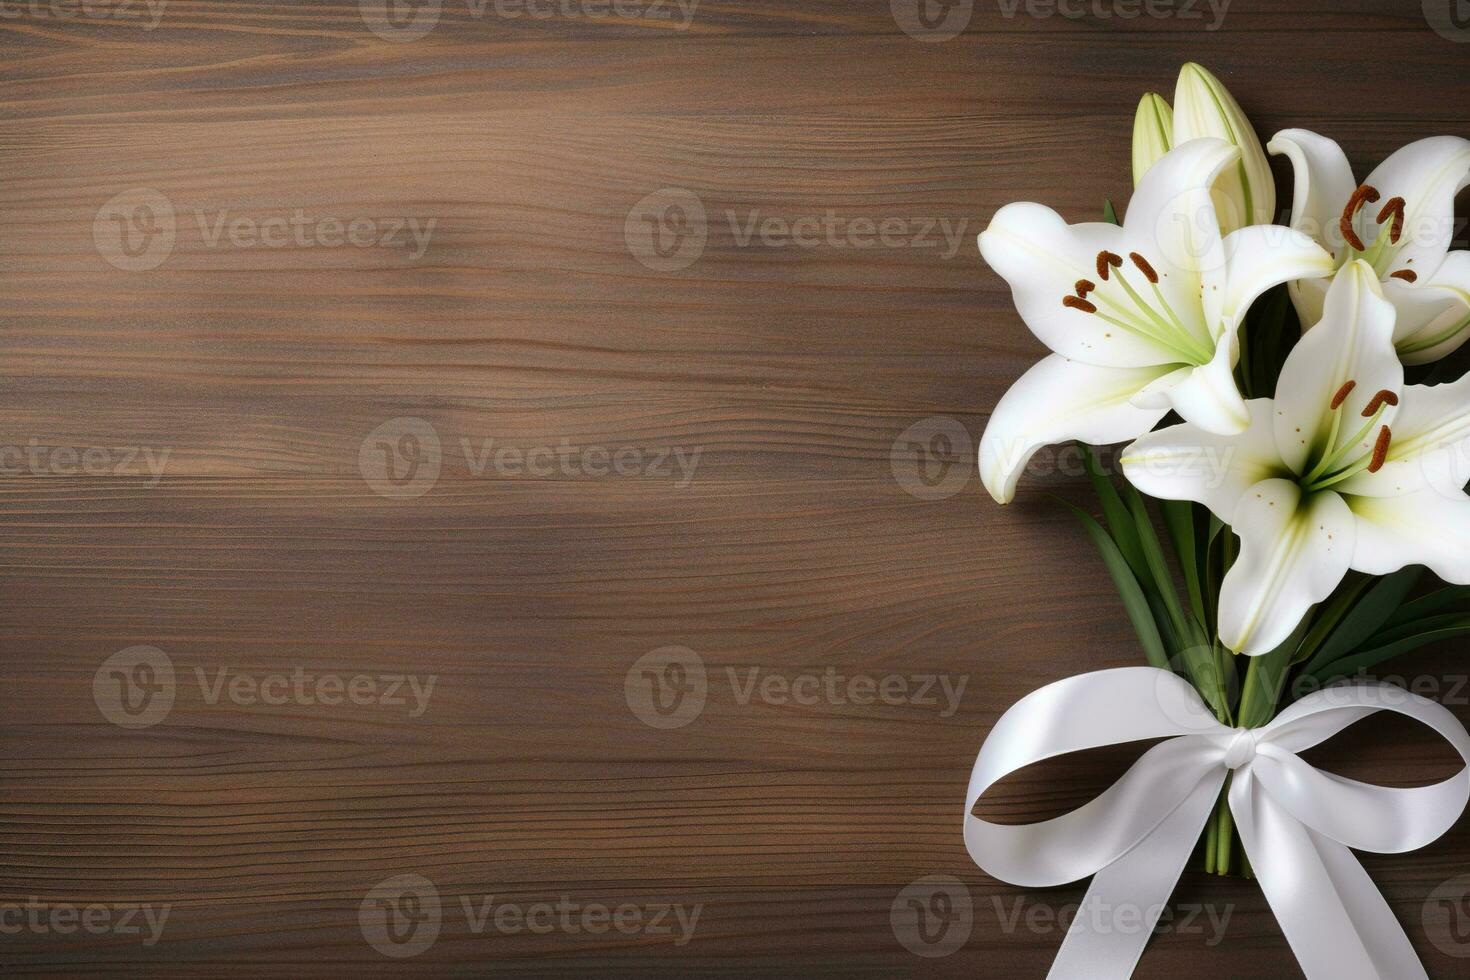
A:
[(1295, 822)]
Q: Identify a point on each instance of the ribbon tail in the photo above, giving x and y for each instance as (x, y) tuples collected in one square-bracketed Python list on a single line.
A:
[(1123, 904), (1379, 929), (1337, 922)]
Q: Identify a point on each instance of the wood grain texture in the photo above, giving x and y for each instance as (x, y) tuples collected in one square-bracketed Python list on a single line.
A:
[(259, 545)]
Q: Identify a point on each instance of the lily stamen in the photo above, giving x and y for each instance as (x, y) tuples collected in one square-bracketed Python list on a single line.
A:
[(1083, 287), (1378, 401), (1364, 194), (1393, 207), (1166, 330), (1144, 267), (1380, 450), (1331, 469), (1077, 303), (1407, 275)]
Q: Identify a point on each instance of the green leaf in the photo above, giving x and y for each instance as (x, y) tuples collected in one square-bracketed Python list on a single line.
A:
[(1179, 520), (1265, 677), (1428, 605), (1210, 528), (1134, 601), (1366, 617), (1348, 666), (1120, 522), (1391, 635), (1109, 215), (1198, 654), (1338, 606), (1158, 566)]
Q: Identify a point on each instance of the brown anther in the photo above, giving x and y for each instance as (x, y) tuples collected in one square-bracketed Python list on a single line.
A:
[(1144, 267), (1394, 207), (1077, 303), (1380, 449), (1378, 401), (1083, 287), (1342, 393), (1105, 259), (1407, 275), (1354, 202)]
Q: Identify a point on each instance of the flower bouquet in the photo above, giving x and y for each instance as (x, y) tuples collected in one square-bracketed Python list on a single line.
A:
[(1290, 420)]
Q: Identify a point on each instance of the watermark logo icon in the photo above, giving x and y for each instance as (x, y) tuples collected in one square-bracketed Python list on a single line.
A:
[(400, 20), (932, 458), (667, 230), (1450, 19), (1447, 917), (933, 916), (134, 688), (135, 230), (932, 20), (667, 687), (400, 917), (401, 458)]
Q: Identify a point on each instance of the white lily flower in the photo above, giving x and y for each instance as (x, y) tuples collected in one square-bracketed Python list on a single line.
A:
[(1141, 318), (1347, 468), (1400, 220)]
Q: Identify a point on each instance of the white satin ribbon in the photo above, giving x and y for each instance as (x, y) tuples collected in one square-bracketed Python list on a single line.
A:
[(1295, 822)]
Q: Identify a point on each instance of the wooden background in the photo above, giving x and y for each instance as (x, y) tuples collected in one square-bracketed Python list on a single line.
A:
[(528, 320)]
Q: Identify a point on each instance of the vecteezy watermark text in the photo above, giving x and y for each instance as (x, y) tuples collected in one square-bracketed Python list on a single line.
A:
[(150, 12), (668, 230), (942, 20), (1106, 10), (410, 20), (402, 916), (403, 458), (138, 229), (137, 688), (669, 687), (1103, 918), (37, 459), (95, 919)]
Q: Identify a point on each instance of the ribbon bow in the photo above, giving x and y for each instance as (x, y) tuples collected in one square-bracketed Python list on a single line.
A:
[(1295, 822)]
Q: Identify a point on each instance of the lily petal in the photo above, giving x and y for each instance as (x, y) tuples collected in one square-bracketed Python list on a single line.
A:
[(1430, 447), (1060, 400), (1427, 174), (1322, 183), (1262, 256), (1433, 315), (1307, 296), (1171, 219), (1186, 462), (1293, 552), (1354, 342), (1043, 258), (1424, 528), (1208, 396)]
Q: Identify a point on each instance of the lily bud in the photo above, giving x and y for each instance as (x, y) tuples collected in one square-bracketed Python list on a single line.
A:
[(1153, 133), (1245, 194)]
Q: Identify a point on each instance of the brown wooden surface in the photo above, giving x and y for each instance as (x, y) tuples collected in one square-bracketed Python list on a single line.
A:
[(793, 549)]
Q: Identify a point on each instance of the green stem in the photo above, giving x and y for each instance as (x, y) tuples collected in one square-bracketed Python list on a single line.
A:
[(1248, 696), (1212, 832), (1224, 827)]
